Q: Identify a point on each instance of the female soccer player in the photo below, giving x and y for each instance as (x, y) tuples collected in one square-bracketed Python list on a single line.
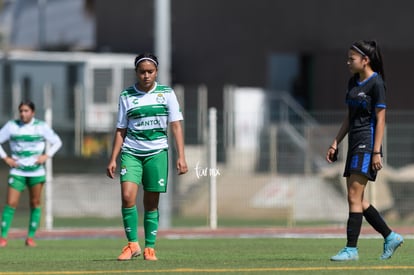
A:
[(27, 137), (144, 112), (364, 125)]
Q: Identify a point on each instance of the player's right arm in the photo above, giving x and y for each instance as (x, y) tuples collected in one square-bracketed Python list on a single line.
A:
[(116, 148), (343, 131), (4, 136)]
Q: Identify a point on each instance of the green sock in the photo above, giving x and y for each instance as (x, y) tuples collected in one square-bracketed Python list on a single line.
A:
[(150, 227), (130, 219), (8, 214), (35, 214)]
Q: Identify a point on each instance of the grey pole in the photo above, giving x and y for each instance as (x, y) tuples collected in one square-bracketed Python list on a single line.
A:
[(212, 118), (163, 52), (163, 40), (42, 23), (47, 98)]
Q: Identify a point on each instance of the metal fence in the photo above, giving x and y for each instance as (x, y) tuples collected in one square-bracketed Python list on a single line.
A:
[(274, 175)]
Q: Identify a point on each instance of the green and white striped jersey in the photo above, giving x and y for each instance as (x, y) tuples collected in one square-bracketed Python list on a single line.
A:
[(146, 115), (27, 142)]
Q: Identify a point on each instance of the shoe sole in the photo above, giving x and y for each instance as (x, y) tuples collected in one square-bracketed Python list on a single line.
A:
[(395, 249), (344, 260), (135, 254)]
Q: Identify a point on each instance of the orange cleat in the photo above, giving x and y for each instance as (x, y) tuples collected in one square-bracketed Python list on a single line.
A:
[(30, 242), (3, 242), (129, 251), (149, 254)]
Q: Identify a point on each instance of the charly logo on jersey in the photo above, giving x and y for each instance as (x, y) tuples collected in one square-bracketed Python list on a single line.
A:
[(135, 101), (160, 98), (123, 170), (161, 182)]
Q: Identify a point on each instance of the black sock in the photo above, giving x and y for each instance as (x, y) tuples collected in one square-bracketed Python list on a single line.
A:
[(376, 221), (353, 229)]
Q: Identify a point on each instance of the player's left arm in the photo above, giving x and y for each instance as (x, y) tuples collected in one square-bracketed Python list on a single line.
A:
[(378, 137), (55, 142), (177, 131), (175, 116), (379, 101)]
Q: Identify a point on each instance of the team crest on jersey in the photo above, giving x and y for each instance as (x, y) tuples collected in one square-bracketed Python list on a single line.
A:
[(160, 98), (362, 94)]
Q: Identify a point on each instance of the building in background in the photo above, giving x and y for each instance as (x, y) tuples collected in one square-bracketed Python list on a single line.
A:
[(84, 89), (297, 46), (48, 24), (253, 43)]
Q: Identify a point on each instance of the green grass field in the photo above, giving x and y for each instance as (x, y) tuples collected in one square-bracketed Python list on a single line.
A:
[(196, 256)]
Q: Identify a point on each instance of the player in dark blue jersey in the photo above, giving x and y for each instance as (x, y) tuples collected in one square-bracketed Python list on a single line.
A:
[(364, 124)]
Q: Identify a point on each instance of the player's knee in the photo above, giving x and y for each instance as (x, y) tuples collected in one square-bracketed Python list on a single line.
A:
[(128, 201), (34, 203)]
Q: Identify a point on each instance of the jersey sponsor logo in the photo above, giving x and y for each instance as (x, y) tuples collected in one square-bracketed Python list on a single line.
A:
[(357, 103), (160, 98), (151, 122), (135, 101), (161, 182)]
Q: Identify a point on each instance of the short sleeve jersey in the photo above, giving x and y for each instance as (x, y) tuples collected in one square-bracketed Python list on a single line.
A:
[(27, 142), (362, 98), (146, 115)]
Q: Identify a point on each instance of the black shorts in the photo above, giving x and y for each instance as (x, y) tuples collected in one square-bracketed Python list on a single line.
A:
[(360, 163)]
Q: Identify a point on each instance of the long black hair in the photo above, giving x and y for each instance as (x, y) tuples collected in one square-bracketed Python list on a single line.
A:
[(371, 49)]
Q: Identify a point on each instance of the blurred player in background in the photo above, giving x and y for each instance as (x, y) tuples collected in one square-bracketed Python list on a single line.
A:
[(364, 124), (27, 137), (145, 110)]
